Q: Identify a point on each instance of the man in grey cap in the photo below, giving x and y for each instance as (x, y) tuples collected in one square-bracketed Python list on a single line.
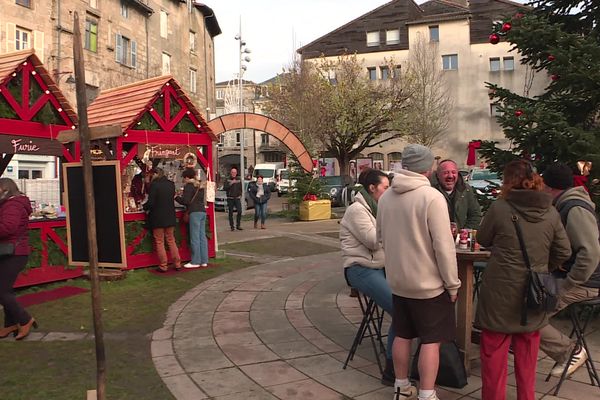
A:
[(413, 225)]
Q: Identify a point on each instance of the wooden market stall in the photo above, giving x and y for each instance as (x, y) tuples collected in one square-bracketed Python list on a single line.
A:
[(32, 113), (159, 126)]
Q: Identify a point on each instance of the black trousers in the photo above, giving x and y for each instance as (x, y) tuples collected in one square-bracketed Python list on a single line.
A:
[(10, 267), (237, 204)]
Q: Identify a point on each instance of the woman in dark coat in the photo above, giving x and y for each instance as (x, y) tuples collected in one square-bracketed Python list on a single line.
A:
[(260, 193), (161, 218), (505, 278), (193, 199), (15, 209)]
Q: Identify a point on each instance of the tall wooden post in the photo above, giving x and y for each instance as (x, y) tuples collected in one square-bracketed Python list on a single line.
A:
[(84, 137)]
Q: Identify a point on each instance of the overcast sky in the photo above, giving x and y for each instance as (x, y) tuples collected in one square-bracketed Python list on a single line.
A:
[(269, 28)]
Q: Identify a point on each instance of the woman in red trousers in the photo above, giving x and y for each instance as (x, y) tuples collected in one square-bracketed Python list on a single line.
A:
[(505, 278)]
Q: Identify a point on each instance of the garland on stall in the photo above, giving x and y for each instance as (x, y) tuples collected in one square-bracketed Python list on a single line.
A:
[(6, 111)]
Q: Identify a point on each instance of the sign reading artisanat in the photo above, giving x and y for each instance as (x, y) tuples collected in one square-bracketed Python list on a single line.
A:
[(30, 145)]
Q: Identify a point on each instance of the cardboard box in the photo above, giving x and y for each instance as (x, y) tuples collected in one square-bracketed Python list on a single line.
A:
[(315, 210)]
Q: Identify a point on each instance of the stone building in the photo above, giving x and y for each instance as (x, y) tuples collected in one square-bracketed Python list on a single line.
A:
[(459, 31), (124, 41)]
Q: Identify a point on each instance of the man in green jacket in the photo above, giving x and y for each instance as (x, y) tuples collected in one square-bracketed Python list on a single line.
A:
[(463, 206)]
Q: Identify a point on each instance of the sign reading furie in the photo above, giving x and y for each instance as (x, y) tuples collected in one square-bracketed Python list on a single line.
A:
[(30, 145)]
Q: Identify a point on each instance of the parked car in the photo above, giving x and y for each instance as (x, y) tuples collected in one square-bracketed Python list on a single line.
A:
[(221, 199), (334, 185), (484, 182), (283, 182)]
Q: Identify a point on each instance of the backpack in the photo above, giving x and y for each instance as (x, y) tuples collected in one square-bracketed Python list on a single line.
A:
[(563, 210)]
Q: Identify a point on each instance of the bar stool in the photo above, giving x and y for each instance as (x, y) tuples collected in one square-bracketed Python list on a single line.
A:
[(370, 326), (581, 313), (478, 269)]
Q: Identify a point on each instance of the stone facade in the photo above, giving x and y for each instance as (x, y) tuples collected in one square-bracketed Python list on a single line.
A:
[(462, 31)]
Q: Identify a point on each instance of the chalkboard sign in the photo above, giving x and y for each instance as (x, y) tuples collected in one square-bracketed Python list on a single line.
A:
[(110, 230)]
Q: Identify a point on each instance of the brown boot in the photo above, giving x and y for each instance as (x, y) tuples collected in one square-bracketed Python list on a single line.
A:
[(4, 332), (262, 226), (25, 329)]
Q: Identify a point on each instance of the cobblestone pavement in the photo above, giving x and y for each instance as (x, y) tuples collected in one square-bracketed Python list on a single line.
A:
[(282, 330)]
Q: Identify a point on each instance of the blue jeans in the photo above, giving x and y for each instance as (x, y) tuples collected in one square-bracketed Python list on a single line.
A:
[(260, 211), (198, 240), (372, 282)]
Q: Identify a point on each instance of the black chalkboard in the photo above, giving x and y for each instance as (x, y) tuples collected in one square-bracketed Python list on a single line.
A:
[(109, 214)]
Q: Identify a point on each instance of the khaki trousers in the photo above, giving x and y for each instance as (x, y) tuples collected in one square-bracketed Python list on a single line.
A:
[(555, 343), (160, 236)]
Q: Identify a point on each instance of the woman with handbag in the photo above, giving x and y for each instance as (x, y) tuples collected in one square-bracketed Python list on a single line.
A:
[(260, 193), (523, 213), (15, 209), (193, 199)]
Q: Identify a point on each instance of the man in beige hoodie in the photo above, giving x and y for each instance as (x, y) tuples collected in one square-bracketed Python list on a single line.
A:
[(420, 258)]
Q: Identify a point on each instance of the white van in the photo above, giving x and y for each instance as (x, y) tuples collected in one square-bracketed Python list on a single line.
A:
[(269, 173), (283, 181)]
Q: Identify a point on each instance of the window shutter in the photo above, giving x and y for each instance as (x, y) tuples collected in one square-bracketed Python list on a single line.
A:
[(38, 44), (133, 54), (10, 37), (119, 45)]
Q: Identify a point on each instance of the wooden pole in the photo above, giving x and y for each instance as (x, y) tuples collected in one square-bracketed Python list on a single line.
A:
[(84, 134)]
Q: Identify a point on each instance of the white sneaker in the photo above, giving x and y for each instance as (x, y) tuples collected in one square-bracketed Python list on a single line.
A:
[(405, 392), (577, 361), (432, 397), (204, 265), (191, 266)]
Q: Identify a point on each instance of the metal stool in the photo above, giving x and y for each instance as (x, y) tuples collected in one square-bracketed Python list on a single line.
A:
[(581, 313), (370, 327), (478, 269)]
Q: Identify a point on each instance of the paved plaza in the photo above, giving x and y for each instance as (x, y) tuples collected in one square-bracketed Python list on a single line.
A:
[(282, 330)]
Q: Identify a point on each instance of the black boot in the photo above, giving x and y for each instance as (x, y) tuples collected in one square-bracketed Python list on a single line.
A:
[(388, 378)]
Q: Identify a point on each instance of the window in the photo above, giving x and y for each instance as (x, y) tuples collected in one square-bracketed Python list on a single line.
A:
[(94, 4), (220, 94), (331, 77), (124, 9), (91, 35), (373, 38), (509, 63), (24, 3), (192, 41), (238, 135), (494, 110), (30, 174), (164, 27), (397, 71), (126, 51), (450, 62), (392, 37), (385, 73), (434, 33), (264, 139), (494, 64), (166, 64), (372, 74), (192, 80), (22, 38)]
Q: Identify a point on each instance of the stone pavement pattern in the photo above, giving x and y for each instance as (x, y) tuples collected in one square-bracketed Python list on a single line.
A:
[(282, 330)]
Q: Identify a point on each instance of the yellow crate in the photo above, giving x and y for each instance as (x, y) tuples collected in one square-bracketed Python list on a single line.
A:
[(315, 210)]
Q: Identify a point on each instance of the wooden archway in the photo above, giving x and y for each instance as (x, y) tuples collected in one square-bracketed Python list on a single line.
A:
[(265, 124)]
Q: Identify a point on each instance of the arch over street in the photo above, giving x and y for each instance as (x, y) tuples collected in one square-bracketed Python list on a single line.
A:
[(265, 124)]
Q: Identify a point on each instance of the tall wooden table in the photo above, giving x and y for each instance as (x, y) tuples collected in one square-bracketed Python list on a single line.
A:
[(464, 306)]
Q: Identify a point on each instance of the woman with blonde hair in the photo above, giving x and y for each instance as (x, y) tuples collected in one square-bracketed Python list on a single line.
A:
[(193, 199), (503, 287)]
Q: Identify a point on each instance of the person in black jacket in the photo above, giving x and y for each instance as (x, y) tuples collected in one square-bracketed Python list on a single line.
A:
[(193, 199), (260, 193), (233, 187), (161, 217)]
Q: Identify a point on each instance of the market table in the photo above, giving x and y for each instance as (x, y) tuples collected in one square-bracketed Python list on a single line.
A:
[(464, 303)]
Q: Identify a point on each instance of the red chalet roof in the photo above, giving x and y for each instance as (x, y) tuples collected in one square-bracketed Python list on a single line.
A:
[(10, 63), (125, 105)]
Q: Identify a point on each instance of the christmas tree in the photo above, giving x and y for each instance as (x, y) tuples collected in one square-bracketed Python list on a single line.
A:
[(560, 38)]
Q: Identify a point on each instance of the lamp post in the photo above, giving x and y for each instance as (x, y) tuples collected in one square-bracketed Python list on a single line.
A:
[(243, 57)]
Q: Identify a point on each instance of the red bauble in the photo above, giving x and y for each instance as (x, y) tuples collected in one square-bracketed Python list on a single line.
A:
[(555, 77), (518, 113), (551, 58), (506, 27), (494, 38)]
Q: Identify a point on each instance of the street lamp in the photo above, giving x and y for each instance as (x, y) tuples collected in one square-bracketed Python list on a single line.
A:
[(244, 51)]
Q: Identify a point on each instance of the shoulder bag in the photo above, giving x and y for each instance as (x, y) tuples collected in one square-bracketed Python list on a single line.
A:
[(186, 213), (541, 288)]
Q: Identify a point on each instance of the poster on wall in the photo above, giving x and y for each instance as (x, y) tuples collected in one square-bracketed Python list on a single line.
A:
[(353, 169), (378, 165), (330, 166), (363, 163)]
